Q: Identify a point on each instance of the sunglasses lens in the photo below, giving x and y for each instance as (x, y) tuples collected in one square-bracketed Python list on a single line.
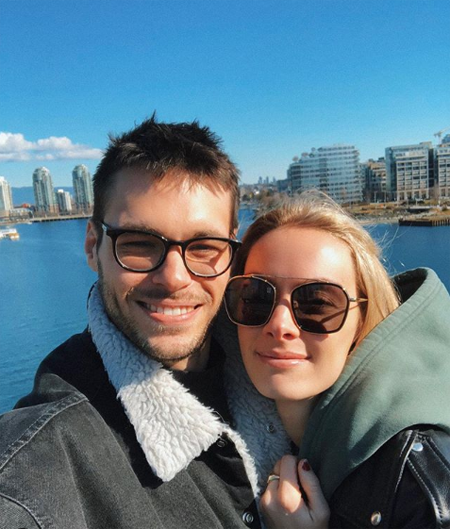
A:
[(249, 301), (320, 308)]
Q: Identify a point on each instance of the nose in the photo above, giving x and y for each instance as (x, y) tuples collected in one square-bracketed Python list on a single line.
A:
[(172, 274), (281, 325)]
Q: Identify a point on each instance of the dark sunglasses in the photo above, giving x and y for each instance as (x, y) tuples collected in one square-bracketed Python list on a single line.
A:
[(317, 307)]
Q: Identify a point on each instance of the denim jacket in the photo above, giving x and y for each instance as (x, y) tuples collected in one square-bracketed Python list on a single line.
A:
[(72, 461), (98, 444)]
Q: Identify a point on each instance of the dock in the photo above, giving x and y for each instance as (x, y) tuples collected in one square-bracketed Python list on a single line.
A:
[(52, 218), (55, 218), (425, 221)]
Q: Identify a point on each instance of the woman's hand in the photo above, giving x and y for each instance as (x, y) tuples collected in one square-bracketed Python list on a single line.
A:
[(295, 500)]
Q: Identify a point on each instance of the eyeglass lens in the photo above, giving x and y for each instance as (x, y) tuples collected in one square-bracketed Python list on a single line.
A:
[(319, 308), (144, 252)]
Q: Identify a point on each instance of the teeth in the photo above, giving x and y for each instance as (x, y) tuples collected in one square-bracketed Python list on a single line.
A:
[(176, 311)]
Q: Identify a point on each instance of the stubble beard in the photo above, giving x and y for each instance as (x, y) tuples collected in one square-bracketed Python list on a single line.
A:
[(126, 325)]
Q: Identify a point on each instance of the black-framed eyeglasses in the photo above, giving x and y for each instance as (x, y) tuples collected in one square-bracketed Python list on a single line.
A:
[(317, 307), (142, 251)]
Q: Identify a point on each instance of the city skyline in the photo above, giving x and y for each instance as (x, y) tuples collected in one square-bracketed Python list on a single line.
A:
[(269, 178), (273, 79), (406, 173)]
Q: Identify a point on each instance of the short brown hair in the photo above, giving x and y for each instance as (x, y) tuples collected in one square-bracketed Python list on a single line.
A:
[(159, 148)]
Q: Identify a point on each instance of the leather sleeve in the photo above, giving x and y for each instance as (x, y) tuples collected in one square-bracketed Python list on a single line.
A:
[(412, 509), (404, 485), (423, 494)]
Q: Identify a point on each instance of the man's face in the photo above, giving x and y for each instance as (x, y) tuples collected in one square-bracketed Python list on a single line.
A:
[(167, 313)]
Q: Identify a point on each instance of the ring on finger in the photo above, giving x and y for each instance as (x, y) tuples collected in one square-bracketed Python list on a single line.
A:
[(273, 477)]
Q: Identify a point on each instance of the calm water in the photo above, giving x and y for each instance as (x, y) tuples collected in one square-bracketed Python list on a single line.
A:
[(44, 282)]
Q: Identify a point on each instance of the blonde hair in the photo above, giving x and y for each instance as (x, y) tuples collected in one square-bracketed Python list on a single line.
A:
[(314, 209)]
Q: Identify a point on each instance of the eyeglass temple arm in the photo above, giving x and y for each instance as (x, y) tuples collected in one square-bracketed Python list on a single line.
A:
[(328, 318)]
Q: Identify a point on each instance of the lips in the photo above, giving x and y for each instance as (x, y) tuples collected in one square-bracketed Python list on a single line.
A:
[(282, 360), (287, 355)]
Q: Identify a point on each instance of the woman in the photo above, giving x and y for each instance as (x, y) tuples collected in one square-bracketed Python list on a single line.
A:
[(361, 378)]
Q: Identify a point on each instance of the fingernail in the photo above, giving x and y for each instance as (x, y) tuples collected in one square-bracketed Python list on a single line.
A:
[(306, 466)]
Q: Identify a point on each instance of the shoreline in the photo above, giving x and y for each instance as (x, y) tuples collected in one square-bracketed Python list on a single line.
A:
[(361, 218), (378, 220), (367, 215), (33, 220)]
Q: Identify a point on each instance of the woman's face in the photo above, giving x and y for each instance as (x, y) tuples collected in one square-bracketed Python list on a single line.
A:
[(284, 362)]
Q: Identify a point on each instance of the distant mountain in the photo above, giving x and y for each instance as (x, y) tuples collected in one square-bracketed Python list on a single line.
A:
[(25, 195)]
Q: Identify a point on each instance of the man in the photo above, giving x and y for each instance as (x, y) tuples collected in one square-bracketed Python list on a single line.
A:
[(139, 422)]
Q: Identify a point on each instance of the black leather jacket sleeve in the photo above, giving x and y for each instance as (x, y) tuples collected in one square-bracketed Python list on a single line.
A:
[(404, 485), (411, 508), (428, 464)]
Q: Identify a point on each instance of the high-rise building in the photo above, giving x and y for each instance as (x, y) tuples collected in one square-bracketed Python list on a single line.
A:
[(375, 180), (442, 168), (409, 171), (334, 170), (64, 201), (82, 187), (44, 194), (6, 202)]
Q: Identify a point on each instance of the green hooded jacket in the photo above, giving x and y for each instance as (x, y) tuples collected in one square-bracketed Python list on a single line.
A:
[(398, 377)]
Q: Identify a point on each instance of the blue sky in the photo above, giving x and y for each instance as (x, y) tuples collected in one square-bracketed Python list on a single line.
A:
[(272, 78)]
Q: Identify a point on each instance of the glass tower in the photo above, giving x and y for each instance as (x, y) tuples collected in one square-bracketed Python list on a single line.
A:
[(82, 187), (334, 170), (44, 194), (6, 203)]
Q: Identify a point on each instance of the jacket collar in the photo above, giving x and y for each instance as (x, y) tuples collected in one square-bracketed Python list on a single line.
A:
[(172, 426)]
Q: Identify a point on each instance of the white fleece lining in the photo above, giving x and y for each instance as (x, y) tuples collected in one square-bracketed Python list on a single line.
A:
[(171, 425), (255, 417)]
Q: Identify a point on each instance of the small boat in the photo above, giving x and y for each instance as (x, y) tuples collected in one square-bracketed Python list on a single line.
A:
[(10, 233)]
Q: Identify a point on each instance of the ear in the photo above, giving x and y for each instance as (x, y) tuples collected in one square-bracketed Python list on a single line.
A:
[(90, 246)]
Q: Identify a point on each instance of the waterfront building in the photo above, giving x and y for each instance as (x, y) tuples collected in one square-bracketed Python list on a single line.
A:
[(44, 194), (64, 201), (375, 180), (442, 168), (82, 186), (409, 171), (334, 170), (362, 176), (20, 213), (6, 202), (283, 186)]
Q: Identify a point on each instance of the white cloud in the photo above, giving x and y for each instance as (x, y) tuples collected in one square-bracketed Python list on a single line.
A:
[(15, 148), (54, 143), (13, 143)]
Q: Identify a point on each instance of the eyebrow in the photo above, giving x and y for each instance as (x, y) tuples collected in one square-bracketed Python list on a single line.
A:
[(146, 229)]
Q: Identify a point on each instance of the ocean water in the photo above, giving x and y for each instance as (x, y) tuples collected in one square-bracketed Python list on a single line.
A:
[(44, 283)]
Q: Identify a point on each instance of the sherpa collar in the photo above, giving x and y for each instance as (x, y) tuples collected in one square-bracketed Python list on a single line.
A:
[(171, 425)]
